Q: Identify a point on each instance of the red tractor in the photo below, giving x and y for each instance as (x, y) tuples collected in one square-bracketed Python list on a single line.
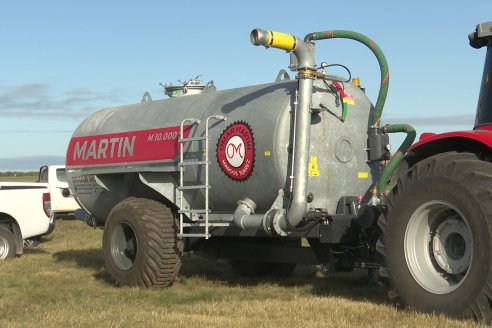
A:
[(437, 229)]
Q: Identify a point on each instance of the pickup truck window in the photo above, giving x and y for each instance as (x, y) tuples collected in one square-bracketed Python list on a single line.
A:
[(43, 174), (61, 175)]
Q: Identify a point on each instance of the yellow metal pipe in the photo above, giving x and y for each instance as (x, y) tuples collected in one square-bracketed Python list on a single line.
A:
[(273, 39)]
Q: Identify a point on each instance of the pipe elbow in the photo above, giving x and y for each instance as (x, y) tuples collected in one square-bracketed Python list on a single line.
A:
[(287, 42), (294, 215), (273, 39), (245, 209)]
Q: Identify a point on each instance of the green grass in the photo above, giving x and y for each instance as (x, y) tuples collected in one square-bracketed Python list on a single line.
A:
[(63, 283), (19, 176)]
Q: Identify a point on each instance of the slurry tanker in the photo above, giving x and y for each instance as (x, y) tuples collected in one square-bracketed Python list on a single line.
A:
[(295, 171)]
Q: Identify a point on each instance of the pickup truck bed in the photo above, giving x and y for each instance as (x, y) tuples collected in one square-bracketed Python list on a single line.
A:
[(25, 212), (63, 203)]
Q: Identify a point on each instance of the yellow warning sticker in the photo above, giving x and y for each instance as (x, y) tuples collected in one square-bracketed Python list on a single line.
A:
[(363, 175), (267, 153), (313, 167), (349, 99)]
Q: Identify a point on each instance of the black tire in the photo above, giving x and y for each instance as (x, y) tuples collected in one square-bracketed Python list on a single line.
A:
[(140, 244), (7, 244), (437, 237), (254, 268)]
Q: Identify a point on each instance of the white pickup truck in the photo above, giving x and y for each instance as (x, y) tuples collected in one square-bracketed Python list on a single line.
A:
[(29, 210), (25, 212)]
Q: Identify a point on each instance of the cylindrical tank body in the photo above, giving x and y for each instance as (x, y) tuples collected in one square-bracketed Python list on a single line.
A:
[(250, 153)]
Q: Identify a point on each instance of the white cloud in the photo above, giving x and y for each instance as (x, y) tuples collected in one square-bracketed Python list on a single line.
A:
[(37, 100), (448, 120), (26, 131)]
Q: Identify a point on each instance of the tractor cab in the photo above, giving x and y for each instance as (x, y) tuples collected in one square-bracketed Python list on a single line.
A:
[(478, 39)]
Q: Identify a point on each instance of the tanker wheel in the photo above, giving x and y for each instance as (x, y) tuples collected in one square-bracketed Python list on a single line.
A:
[(437, 237), (7, 244), (254, 268), (140, 245)]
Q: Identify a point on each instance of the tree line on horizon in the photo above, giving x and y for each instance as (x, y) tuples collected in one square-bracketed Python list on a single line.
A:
[(17, 173)]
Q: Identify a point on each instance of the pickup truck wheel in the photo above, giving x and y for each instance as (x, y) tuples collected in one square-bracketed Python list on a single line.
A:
[(437, 237), (140, 245), (7, 244)]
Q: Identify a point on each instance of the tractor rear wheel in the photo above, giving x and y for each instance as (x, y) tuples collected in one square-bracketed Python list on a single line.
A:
[(140, 244), (437, 237)]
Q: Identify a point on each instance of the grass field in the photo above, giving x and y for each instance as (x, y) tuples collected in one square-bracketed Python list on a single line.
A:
[(63, 283), (23, 177)]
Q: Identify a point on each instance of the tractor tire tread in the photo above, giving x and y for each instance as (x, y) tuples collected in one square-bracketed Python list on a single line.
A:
[(476, 176)]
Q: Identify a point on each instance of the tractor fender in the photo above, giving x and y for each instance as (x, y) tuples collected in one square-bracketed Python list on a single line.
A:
[(429, 140), (478, 141)]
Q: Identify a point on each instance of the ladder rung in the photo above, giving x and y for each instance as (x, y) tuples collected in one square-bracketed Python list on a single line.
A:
[(194, 163), (198, 235), (218, 224), (203, 224), (194, 224), (192, 139), (197, 220), (194, 187), (194, 211)]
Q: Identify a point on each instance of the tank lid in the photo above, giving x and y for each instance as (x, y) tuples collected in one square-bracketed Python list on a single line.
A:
[(186, 88)]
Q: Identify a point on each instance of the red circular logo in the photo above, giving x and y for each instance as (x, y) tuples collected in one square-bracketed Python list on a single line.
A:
[(235, 151)]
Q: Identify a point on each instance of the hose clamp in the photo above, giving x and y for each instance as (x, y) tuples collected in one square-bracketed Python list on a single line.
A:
[(309, 73)]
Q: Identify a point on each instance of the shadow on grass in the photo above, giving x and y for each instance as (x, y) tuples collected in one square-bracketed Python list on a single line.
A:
[(34, 250), (349, 285), (86, 258)]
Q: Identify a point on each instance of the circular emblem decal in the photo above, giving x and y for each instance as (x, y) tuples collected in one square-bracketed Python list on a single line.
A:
[(235, 151)]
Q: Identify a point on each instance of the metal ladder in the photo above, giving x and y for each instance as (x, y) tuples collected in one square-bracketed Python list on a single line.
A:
[(194, 213)]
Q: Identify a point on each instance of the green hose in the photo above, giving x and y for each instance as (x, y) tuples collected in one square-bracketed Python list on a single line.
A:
[(390, 168), (378, 108), (344, 111), (383, 64)]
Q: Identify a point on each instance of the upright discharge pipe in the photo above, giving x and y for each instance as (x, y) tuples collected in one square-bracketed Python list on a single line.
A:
[(304, 51), (306, 63)]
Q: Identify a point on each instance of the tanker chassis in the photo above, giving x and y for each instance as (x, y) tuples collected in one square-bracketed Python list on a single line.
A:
[(251, 174)]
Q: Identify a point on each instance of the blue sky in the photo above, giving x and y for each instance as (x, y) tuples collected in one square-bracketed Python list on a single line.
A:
[(62, 60)]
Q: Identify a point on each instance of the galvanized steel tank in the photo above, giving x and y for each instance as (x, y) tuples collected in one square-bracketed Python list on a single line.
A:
[(250, 152)]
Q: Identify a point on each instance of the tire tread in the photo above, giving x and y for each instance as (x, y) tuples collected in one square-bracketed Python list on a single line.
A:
[(160, 248), (476, 176)]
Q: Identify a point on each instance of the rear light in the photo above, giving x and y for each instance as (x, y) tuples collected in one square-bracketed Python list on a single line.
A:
[(47, 204)]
